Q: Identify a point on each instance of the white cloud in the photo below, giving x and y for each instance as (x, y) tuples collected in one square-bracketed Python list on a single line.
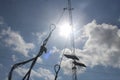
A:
[(45, 73), (102, 46), (39, 36), (21, 71), (16, 42), (67, 66), (40, 73), (67, 63), (55, 50), (14, 58), (80, 35), (39, 60)]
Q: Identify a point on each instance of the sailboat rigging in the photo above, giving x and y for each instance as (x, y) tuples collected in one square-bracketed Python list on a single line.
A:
[(43, 49)]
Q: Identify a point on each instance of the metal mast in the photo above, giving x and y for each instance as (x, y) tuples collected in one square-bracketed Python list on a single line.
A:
[(75, 62), (69, 8), (71, 25)]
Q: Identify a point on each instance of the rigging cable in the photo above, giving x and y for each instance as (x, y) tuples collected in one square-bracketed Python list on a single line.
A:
[(42, 49), (57, 67), (60, 16)]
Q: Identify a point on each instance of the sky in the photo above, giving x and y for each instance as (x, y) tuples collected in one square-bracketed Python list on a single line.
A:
[(24, 24)]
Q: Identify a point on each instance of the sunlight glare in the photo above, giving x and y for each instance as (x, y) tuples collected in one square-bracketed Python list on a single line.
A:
[(65, 30)]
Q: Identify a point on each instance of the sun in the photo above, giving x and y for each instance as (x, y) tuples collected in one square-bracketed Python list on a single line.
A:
[(65, 30)]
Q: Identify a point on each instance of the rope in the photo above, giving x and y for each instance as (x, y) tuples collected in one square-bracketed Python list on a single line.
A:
[(42, 49), (57, 67), (33, 60)]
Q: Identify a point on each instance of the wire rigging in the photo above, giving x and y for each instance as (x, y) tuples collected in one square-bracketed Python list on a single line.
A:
[(57, 67), (33, 60), (59, 19)]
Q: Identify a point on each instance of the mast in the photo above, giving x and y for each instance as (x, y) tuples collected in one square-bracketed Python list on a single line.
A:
[(75, 59), (71, 25), (69, 8)]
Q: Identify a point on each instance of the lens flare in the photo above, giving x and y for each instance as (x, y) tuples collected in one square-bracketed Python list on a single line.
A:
[(65, 30)]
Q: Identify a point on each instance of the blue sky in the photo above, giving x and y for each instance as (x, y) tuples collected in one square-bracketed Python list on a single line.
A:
[(24, 24)]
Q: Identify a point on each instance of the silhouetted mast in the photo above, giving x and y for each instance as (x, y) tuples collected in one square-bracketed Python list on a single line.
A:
[(73, 57), (69, 8)]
